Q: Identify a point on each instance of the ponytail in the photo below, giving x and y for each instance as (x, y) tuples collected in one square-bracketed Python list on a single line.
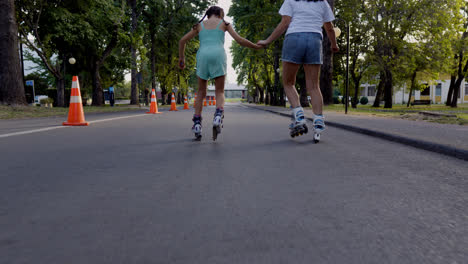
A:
[(214, 10)]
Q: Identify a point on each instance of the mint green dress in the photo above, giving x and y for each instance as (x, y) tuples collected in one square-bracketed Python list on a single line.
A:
[(211, 57)]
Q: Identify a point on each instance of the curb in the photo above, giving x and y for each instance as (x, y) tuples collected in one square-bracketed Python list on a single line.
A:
[(420, 144)]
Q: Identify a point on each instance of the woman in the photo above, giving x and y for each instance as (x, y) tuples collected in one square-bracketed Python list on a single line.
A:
[(302, 45), (211, 63)]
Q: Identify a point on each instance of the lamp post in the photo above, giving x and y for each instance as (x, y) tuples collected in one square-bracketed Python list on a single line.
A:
[(337, 34)]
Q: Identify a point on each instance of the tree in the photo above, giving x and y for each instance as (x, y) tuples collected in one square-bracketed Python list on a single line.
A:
[(260, 69), (326, 70), (460, 60), (11, 81)]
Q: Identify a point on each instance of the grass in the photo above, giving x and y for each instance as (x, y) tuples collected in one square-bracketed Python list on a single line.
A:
[(403, 112), (410, 113), (21, 112)]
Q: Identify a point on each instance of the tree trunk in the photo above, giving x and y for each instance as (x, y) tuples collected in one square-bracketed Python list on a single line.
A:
[(61, 83), (60, 92), (134, 90), (98, 98), (153, 59), (11, 84), (413, 83), (388, 91), (456, 91), (355, 100), (326, 70), (450, 92), (380, 89), (163, 94)]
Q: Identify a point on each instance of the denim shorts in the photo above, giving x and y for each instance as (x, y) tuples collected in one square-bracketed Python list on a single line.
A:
[(303, 48)]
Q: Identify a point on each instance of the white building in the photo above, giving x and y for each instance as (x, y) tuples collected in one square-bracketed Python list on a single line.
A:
[(231, 90), (436, 92)]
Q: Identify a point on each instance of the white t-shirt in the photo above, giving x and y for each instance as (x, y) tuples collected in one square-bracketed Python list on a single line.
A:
[(307, 16)]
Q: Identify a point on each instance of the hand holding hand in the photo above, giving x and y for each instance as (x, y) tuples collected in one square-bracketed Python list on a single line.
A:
[(263, 43), (182, 63), (257, 47)]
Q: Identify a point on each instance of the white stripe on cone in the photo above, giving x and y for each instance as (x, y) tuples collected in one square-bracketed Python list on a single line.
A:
[(75, 99)]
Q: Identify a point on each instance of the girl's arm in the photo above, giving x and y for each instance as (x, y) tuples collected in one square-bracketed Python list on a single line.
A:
[(242, 41), (330, 29), (182, 42), (279, 30)]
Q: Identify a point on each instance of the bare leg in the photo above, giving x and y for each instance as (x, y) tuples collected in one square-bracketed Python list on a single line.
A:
[(312, 72), (219, 91), (289, 81), (202, 84)]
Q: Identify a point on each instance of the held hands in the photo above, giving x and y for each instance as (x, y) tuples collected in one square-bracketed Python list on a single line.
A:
[(263, 43), (182, 63)]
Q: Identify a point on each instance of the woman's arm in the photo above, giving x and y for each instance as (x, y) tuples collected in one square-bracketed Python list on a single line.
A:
[(279, 30), (330, 29), (242, 41), (182, 43)]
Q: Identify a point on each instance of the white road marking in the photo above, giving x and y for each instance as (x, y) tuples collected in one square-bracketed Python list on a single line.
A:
[(57, 127)]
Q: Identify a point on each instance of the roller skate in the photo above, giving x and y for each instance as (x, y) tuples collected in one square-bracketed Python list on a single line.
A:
[(298, 126), (197, 127), (319, 127), (217, 123)]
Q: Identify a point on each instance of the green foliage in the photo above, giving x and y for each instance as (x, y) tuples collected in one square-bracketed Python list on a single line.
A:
[(364, 100), (256, 20)]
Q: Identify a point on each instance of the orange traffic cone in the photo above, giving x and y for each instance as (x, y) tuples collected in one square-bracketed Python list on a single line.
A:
[(214, 100), (210, 101), (154, 104), (173, 103), (204, 101), (186, 107), (75, 112)]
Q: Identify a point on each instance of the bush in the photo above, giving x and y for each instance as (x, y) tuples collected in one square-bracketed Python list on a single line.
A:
[(46, 101), (364, 100), (336, 100)]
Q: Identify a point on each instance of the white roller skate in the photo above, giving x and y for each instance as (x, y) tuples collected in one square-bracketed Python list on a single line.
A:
[(298, 126), (319, 127), (217, 123), (197, 127)]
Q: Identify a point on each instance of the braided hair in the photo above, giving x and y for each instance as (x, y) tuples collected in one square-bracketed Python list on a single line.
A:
[(213, 10)]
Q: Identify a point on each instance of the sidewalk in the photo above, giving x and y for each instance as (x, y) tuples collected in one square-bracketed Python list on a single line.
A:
[(442, 138)]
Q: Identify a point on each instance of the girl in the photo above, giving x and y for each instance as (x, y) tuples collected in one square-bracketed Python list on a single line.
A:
[(211, 63), (303, 20)]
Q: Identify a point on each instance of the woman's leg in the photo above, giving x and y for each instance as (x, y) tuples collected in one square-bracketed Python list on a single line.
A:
[(202, 84), (289, 82), (219, 91), (312, 73)]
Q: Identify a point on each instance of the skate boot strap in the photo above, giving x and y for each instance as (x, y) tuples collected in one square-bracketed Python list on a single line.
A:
[(319, 123)]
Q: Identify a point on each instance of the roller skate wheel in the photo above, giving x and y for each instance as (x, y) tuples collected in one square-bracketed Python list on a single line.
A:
[(316, 138)]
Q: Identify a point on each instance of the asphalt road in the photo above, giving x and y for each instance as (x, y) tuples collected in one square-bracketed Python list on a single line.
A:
[(139, 190)]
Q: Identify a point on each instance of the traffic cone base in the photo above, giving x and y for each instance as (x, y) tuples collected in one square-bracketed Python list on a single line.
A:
[(75, 111), (154, 104)]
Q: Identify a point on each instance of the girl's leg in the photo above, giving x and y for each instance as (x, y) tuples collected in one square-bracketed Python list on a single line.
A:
[(289, 81), (312, 72), (202, 84), (219, 91)]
